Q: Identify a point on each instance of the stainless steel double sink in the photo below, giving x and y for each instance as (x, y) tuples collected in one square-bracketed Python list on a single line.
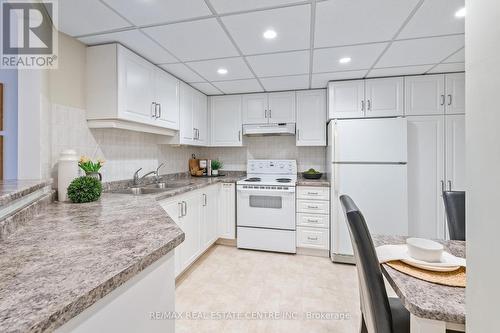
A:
[(153, 188)]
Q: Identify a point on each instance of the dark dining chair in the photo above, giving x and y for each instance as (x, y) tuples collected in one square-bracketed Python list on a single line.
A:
[(380, 314), (454, 203)]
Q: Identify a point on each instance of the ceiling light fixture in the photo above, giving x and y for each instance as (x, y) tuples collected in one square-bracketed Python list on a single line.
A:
[(460, 13), (345, 60), (269, 34), (222, 71)]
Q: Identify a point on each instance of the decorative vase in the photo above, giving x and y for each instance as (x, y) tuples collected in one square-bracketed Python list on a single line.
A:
[(215, 172), (67, 170), (96, 175)]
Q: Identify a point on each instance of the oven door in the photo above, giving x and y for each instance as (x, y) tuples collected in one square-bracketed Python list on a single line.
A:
[(266, 208)]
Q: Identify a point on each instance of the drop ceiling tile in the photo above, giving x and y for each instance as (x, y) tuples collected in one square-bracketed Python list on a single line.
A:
[(206, 88), (435, 18), (78, 17), (420, 51), (457, 57), (362, 57), (231, 6), (445, 68), (345, 22), (278, 64), (196, 40), (286, 82), (183, 72), (291, 24), (141, 12), (398, 71), (236, 69), (136, 41), (321, 80), (238, 86)]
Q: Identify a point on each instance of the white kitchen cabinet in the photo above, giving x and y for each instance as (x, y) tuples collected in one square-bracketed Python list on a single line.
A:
[(366, 98), (269, 108), (126, 91), (167, 97), (455, 93), (208, 215), (435, 94), (424, 95), (200, 118), (311, 118), (227, 211), (254, 109), (384, 97), (175, 209), (225, 121), (186, 130), (346, 99), (455, 152), (281, 107)]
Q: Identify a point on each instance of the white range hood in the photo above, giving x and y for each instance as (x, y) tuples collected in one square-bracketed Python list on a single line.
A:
[(269, 129)]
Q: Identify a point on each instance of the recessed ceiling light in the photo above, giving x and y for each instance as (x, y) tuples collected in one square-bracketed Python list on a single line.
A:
[(269, 34), (222, 71), (460, 13), (345, 60)]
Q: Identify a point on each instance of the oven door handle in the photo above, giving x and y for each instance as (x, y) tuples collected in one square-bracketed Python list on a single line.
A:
[(264, 192)]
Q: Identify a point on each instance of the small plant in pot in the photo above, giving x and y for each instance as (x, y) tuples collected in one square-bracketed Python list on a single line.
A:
[(84, 189), (216, 166), (90, 167)]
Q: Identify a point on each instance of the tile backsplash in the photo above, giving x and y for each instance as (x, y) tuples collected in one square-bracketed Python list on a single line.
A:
[(127, 151)]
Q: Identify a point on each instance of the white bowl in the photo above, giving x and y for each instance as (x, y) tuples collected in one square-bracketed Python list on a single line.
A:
[(424, 249)]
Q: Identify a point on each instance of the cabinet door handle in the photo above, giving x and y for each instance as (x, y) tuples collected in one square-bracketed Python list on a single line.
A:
[(153, 110), (369, 104), (313, 238), (179, 204), (239, 135), (449, 185), (184, 203), (442, 99), (449, 99), (298, 134), (362, 105), (159, 110), (270, 113), (442, 187), (265, 114), (204, 200)]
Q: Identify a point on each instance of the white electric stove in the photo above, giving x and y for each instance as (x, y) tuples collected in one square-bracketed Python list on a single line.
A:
[(266, 206)]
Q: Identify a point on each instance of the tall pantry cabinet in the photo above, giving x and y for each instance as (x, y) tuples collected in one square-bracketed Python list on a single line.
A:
[(435, 109)]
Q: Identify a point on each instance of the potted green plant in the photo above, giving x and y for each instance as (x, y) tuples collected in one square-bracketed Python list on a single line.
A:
[(84, 189), (216, 166), (90, 167)]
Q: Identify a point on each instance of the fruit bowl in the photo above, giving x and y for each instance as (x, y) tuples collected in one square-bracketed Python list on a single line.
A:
[(312, 175)]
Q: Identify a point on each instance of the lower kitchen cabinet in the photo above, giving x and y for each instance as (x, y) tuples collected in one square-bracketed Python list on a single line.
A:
[(198, 214), (227, 211), (313, 220)]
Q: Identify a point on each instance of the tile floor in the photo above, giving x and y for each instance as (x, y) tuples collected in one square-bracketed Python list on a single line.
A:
[(226, 279)]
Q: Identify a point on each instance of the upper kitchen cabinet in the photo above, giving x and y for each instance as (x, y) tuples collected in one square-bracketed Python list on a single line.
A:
[(269, 108), (366, 98), (193, 129), (384, 97), (346, 99), (435, 94), (225, 121), (311, 118), (126, 91)]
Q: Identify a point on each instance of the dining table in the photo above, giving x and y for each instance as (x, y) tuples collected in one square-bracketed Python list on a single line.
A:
[(434, 308)]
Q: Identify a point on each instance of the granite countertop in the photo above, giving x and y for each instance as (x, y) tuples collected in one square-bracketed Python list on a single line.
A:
[(425, 299), (70, 255), (11, 190), (322, 182)]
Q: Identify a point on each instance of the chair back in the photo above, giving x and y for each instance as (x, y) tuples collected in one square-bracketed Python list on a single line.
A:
[(454, 203), (374, 301)]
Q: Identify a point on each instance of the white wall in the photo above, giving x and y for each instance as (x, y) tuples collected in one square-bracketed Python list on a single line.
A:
[(269, 147), (483, 164), (9, 79)]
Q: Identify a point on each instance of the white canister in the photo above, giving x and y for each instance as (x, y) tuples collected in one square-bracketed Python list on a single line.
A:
[(67, 170)]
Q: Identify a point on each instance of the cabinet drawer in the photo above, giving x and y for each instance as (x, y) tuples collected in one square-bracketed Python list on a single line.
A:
[(313, 220), (313, 238), (311, 206), (311, 192)]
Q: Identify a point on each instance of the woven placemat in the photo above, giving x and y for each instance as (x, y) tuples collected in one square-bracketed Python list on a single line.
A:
[(455, 278)]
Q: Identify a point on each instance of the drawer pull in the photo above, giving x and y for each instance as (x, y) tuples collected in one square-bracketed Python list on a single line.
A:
[(312, 207), (313, 238), (312, 193), (312, 221)]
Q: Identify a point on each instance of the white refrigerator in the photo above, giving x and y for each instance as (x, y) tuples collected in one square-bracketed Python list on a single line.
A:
[(367, 160)]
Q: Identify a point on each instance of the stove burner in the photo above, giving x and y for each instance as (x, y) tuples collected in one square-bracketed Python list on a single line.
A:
[(283, 180), (253, 179)]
